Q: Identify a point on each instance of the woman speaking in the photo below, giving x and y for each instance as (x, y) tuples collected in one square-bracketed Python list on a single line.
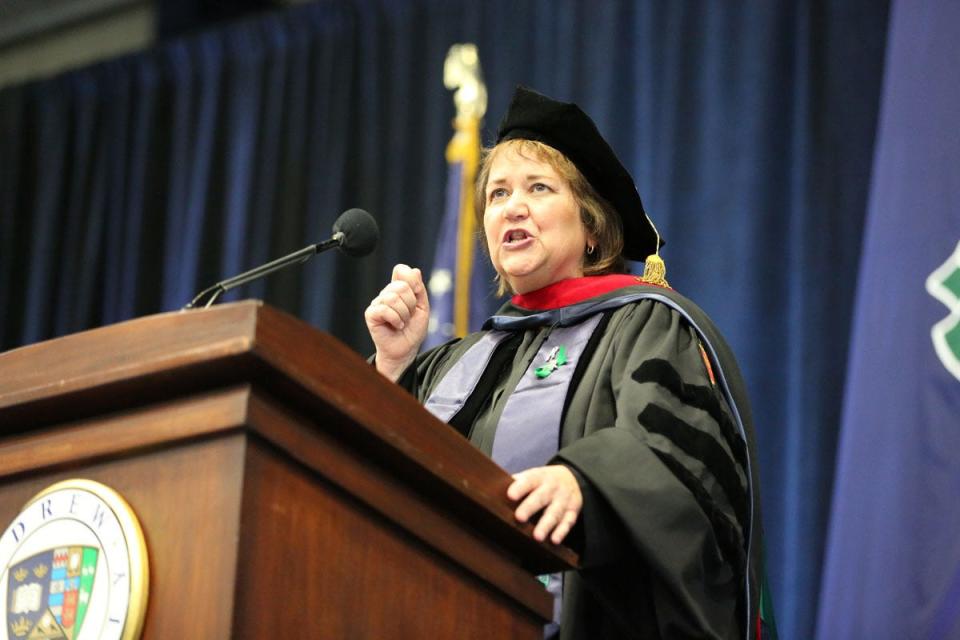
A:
[(612, 400)]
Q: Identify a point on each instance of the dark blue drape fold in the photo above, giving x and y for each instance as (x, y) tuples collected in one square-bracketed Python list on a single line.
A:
[(128, 186)]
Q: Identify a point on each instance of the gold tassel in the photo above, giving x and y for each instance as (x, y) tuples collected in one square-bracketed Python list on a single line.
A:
[(655, 271)]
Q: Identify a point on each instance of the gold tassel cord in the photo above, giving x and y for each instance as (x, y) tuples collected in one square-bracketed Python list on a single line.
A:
[(655, 271)]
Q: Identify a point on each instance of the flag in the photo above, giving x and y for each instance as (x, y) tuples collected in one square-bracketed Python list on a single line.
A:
[(892, 565), (460, 281)]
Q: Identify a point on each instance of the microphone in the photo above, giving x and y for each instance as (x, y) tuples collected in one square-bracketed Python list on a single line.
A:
[(358, 232), (355, 233)]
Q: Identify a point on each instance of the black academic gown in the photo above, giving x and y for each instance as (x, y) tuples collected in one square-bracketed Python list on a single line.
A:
[(653, 427)]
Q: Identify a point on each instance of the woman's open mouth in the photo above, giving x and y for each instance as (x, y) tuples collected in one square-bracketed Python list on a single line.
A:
[(516, 239)]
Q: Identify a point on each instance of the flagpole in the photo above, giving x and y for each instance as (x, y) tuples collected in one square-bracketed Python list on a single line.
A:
[(453, 268)]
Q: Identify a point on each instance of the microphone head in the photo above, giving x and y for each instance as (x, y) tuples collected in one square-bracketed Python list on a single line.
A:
[(360, 232)]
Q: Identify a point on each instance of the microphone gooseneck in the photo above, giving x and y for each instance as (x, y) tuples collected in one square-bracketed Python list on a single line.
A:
[(355, 233)]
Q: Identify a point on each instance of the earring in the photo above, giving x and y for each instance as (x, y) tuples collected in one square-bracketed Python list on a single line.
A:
[(590, 249)]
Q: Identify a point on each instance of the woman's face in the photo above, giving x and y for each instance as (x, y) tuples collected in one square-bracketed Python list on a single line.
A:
[(532, 223)]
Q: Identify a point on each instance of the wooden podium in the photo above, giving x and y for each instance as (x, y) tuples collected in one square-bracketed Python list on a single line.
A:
[(285, 489)]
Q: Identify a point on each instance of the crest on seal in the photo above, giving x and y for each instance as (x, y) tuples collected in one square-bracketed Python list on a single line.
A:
[(50, 592), (74, 567)]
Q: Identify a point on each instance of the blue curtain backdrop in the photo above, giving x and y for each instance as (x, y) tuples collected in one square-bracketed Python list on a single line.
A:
[(128, 186)]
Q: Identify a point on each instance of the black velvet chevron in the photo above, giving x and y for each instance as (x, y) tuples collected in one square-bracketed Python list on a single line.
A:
[(703, 447), (731, 543), (699, 397)]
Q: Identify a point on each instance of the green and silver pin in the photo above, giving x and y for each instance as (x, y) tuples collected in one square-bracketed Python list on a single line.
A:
[(555, 359)]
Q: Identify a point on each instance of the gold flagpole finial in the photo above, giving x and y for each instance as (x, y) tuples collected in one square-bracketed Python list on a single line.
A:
[(461, 72)]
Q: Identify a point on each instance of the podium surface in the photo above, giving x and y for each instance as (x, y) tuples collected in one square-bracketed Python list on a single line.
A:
[(284, 488)]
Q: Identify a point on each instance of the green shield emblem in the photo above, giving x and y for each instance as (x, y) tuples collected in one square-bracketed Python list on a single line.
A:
[(944, 285)]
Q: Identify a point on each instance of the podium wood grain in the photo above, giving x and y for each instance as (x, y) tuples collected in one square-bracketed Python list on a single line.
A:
[(285, 489)]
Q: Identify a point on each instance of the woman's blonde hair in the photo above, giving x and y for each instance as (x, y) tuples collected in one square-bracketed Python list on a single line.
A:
[(599, 218)]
